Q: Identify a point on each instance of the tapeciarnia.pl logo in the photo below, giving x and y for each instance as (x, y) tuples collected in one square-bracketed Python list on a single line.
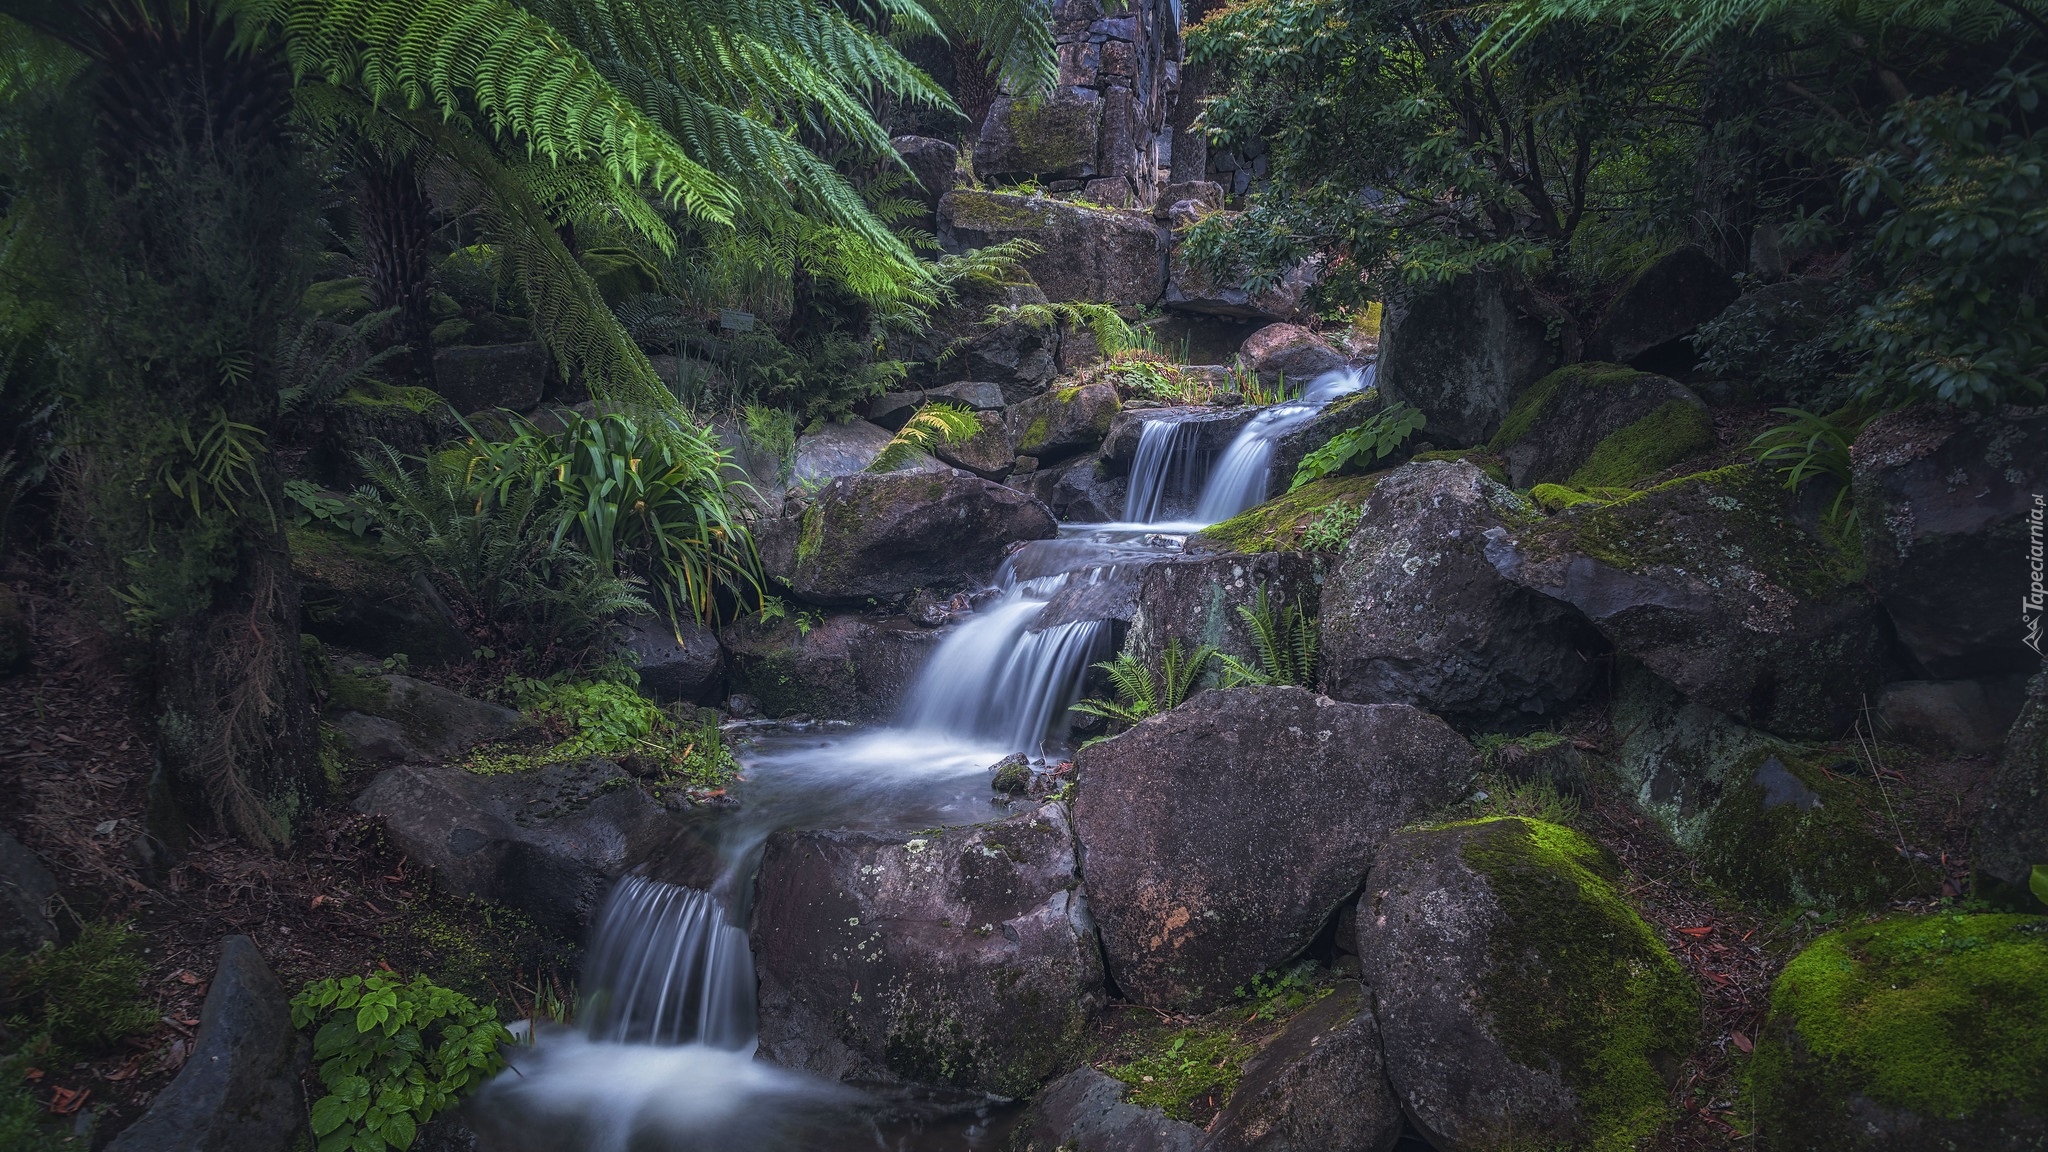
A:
[(2037, 597)]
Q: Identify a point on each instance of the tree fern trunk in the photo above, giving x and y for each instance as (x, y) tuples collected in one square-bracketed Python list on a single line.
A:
[(974, 85), (395, 223)]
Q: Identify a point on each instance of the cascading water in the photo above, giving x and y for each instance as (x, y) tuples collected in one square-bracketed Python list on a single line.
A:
[(1163, 468), (666, 968), (1242, 476)]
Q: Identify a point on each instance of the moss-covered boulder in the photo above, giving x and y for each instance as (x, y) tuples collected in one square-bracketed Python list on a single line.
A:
[(838, 666), (1050, 138), (1279, 524), (1600, 425), (961, 957), (1098, 255), (1061, 423), (2012, 833), (1462, 351), (1711, 583), (1660, 306), (361, 420), (1415, 611), (488, 377), (872, 537), (1912, 1034), (1522, 1002)]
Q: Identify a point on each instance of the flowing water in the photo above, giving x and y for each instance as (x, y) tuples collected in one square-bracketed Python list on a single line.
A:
[(663, 1058), (1241, 479)]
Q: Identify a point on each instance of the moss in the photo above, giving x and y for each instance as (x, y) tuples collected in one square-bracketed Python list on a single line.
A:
[(381, 396), (1185, 1067), (1035, 434), (1066, 395), (1479, 458), (1786, 832), (812, 534), (335, 559), (1944, 1016), (1530, 407), (1575, 979), (998, 212), (1277, 525), (1672, 432), (355, 692)]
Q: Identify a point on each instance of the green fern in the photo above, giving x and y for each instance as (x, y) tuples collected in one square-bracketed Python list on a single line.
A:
[(1139, 694), (936, 423), (1284, 636), (1808, 446), (1101, 321)]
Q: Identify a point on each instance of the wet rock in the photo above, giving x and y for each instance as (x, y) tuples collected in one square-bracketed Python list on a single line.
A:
[(1461, 352), (429, 719), (672, 667), (1289, 351), (1834, 1070), (1060, 424), (1012, 774), (1415, 612), (892, 410), (1945, 502), (547, 842), (14, 640), (1600, 425), (239, 1089), (839, 667), (1084, 1111), (490, 377), (879, 537), (1051, 138), (1196, 599), (1968, 716), (1214, 429), (1318, 1086), (2012, 832), (1710, 582), (26, 888), (988, 454), (1193, 288), (935, 163), (962, 957), (1339, 415), (1078, 491), (1521, 1001), (1213, 849), (1664, 303), (1098, 255), (352, 594)]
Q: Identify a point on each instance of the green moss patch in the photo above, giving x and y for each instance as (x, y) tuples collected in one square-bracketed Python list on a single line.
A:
[(999, 212), (1674, 431), (1945, 1016), (1576, 980), (334, 559), (1189, 1068), (1479, 458), (1278, 524), (1532, 404), (379, 396)]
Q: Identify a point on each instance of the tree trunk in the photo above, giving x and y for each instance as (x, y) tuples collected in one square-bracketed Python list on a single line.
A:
[(974, 86), (395, 224)]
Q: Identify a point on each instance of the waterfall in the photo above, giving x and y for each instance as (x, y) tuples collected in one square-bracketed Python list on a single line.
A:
[(994, 681), (1241, 478), (666, 968), (1163, 469)]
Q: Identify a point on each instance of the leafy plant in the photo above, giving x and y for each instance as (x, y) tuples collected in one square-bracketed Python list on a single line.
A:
[(317, 362), (1101, 321), (1385, 431), (1808, 446), (1284, 636), (607, 718), (84, 997), (1139, 694), (217, 467), (1332, 527), (1277, 994), (773, 430), (392, 1056), (934, 423), (1193, 1064), (339, 511)]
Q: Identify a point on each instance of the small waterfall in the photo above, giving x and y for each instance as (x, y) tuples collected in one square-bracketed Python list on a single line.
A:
[(1242, 477), (1163, 469), (994, 681), (666, 968)]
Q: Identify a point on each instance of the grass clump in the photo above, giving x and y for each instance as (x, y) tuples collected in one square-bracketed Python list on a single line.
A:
[(82, 998)]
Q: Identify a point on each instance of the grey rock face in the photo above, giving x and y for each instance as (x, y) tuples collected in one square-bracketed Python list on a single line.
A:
[(1056, 425), (1210, 846), (1558, 425), (1084, 1111), (25, 891), (1665, 302), (671, 669), (881, 536), (961, 957), (1191, 288), (489, 377), (548, 843), (1055, 138), (239, 1089), (1318, 1086), (1196, 599), (1288, 350), (428, 720), (1461, 352), (933, 162), (1415, 612), (845, 449), (1078, 491), (1090, 254), (1970, 716), (846, 667), (2012, 833), (892, 410)]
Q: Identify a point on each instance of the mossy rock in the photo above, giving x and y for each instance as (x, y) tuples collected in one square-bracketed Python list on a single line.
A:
[(1601, 425), (1049, 137), (357, 595), (1277, 525), (1578, 1013), (380, 396), (1913, 1033), (1479, 458)]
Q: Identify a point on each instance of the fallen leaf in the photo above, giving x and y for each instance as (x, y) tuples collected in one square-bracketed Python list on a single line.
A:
[(1742, 1042), (65, 1101), (187, 976), (318, 900), (1697, 933)]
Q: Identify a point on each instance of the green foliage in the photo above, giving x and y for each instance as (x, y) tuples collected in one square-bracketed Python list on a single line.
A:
[(1278, 994), (1808, 447), (608, 719), (1139, 694), (1194, 1064), (392, 1055), (1284, 636), (934, 423), (82, 998), (1501, 795), (2037, 882), (22, 1115), (1101, 321), (312, 505), (1385, 431), (773, 431), (316, 363), (1332, 527)]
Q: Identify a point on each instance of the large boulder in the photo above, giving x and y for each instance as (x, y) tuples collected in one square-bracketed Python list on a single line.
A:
[(892, 410), (398, 717), (875, 536), (239, 1090), (1290, 351), (1461, 352), (1213, 850), (1662, 304), (1600, 425), (1191, 287), (1522, 1002), (489, 377), (1103, 256), (1051, 138), (1085, 1111), (26, 889), (1946, 500), (1318, 1086), (1912, 1034), (1064, 423), (961, 957), (1196, 599), (837, 450), (354, 595), (2012, 832), (1339, 415), (934, 163), (1711, 582), (548, 842), (843, 666), (676, 659), (1078, 491), (1966, 716), (1415, 612)]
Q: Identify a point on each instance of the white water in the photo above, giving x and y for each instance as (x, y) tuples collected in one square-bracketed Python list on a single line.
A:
[(1243, 476), (1164, 468)]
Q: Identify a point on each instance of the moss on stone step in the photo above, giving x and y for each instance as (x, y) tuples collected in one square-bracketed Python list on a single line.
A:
[(1276, 525)]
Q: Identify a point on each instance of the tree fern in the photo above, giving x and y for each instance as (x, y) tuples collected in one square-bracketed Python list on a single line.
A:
[(936, 423)]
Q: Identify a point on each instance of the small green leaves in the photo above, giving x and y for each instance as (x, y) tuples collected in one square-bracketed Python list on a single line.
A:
[(1380, 435), (2037, 882)]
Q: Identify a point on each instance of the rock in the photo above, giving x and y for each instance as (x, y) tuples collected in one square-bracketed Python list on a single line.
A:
[(26, 889), (988, 454), (428, 717), (1063, 423), (880, 537), (353, 594), (547, 842), (962, 957), (1967, 716), (1600, 426), (1664, 303), (1913, 1033), (1195, 599), (1461, 352), (1278, 524), (1011, 774), (362, 420), (1051, 138), (1104, 256), (678, 660), (2012, 831), (1078, 491), (841, 667), (1288, 351), (1084, 1111), (1710, 583), (239, 1090), (1215, 429), (892, 410), (847, 449), (935, 163), (1945, 502), (1521, 1001), (1213, 849), (1415, 612), (1205, 194), (491, 377), (14, 639), (1339, 415), (1318, 1086), (1192, 288)]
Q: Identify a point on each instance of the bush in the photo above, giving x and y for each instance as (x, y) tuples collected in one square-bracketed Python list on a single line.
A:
[(84, 997), (392, 1055), (609, 719)]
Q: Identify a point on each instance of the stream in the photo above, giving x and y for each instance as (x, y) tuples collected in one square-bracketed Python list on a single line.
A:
[(663, 1057)]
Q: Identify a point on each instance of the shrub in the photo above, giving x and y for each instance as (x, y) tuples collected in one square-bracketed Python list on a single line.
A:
[(1385, 431), (84, 997)]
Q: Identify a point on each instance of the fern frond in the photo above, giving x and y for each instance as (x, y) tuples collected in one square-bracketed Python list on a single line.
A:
[(936, 423), (1180, 671)]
